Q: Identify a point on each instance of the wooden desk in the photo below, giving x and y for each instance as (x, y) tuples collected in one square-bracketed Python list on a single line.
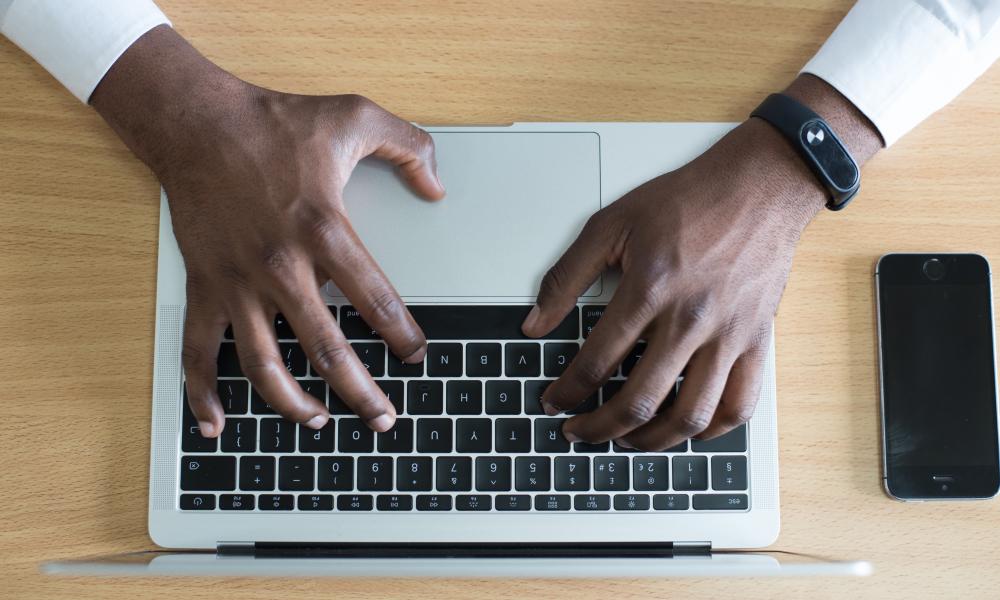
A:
[(77, 268)]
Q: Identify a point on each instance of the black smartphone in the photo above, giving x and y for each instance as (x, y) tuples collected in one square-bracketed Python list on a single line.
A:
[(937, 377)]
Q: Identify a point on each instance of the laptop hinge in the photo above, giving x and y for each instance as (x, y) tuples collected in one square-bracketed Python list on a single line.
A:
[(463, 549)]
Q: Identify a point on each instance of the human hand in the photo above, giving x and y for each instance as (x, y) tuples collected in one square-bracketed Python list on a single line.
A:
[(254, 181), (705, 253)]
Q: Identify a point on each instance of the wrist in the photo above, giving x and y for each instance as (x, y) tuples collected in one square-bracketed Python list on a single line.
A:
[(162, 95)]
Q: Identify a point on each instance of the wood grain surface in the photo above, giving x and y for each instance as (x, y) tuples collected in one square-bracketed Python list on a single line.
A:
[(78, 219)]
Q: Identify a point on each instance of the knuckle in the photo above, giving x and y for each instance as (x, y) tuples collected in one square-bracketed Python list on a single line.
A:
[(355, 105), (328, 355), (385, 306), (326, 233), (275, 260), (195, 358), (260, 365), (699, 310), (589, 373), (639, 410), (555, 280), (693, 422)]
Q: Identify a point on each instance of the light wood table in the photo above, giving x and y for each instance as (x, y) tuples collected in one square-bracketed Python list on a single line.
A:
[(78, 218)]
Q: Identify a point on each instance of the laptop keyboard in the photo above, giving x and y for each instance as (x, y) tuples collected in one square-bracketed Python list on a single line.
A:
[(470, 435)]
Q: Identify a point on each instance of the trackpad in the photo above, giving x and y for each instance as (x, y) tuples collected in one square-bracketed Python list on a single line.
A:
[(515, 202)]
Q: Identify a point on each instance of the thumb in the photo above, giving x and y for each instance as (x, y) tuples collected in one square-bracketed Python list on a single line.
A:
[(572, 274), (409, 148)]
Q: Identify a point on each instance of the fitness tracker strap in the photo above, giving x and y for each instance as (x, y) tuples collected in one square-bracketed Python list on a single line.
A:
[(816, 143)]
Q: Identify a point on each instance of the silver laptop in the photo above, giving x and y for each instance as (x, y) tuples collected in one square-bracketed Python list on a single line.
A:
[(473, 468)]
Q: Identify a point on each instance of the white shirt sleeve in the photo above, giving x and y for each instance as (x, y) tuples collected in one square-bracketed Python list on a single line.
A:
[(899, 61), (77, 41)]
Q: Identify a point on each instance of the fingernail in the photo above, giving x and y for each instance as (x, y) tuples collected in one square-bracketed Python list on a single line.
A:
[(207, 428), (531, 320), (570, 437), (416, 356), (383, 422), (317, 422), (624, 444), (549, 409)]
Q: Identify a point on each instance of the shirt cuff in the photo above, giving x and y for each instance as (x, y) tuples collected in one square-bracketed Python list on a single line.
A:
[(78, 41), (899, 61)]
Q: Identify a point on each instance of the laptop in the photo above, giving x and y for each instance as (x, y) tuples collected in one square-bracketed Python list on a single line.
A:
[(473, 469)]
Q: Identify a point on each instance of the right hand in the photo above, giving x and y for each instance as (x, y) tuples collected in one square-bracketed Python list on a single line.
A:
[(255, 180)]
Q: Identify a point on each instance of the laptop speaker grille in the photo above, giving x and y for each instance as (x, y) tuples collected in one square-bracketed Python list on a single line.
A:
[(166, 391)]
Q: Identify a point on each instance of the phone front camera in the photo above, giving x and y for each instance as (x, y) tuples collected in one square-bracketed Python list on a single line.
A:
[(934, 269)]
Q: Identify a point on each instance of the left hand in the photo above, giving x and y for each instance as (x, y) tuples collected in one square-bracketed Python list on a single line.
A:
[(705, 252)]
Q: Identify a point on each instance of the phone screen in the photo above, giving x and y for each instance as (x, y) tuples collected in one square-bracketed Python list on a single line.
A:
[(938, 379)]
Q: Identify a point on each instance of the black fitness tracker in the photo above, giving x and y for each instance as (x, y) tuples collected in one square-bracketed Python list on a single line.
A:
[(813, 139)]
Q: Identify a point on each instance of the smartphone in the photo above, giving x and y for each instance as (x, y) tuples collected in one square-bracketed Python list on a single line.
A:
[(937, 377)]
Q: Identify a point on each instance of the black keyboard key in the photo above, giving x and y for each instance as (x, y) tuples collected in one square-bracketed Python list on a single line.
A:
[(690, 473), (372, 356), (513, 436), (464, 397), (277, 435), (228, 362), (473, 502), (549, 437), (591, 502), (729, 473), (353, 326), (295, 473), (239, 435), (258, 405), (424, 397), (670, 502), (433, 502), (276, 502), (454, 474), (503, 397), (337, 405), (631, 502), (398, 368), (318, 441), (206, 473), (493, 474), (354, 502), (523, 360), (393, 390), (482, 360), (257, 473), (444, 360), (610, 388), (234, 394), (191, 438), (734, 441), (315, 502), (479, 322), (532, 474), (434, 436), (316, 388), (355, 436), (237, 502), (413, 474), (533, 390), (632, 358), (197, 501), (550, 502), (513, 502), (650, 473), (394, 502), (282, 328), (474, 435), (587, 447), (572, 473), (375, 474), (590, 315), (721, 502), (611, 473), (399, 439), (335, 474), (294, 358), (558, 357)]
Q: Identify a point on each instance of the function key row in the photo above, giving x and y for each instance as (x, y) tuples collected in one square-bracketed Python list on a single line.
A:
[(463, 473), (463, 502)]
